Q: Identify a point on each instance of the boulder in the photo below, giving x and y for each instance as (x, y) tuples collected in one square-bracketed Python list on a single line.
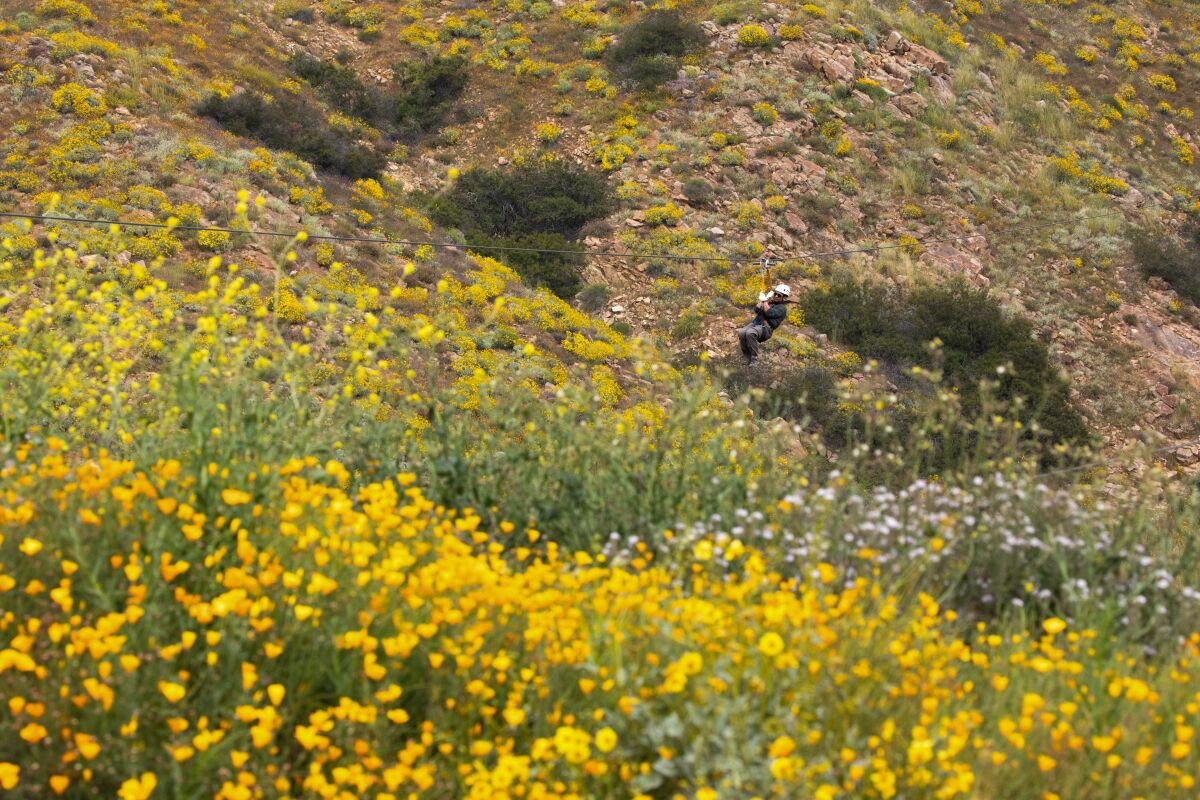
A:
[(838, 69), (912, 103), (939, 87), (949, 256), (1134, 198), (1188, 455), (895, 43), (897, 70), (1163, 339), (834, 67), (744, 124), (893, 85), (38, 48), (811, 168), (784, 178), (928, 59)]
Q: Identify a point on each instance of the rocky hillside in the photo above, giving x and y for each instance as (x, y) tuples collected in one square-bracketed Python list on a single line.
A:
[(1019, 147)]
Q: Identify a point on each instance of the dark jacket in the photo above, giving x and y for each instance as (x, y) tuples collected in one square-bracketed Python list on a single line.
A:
[(770, 319)]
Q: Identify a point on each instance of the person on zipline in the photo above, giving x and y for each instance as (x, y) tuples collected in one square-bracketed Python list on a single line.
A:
[(769, 314)]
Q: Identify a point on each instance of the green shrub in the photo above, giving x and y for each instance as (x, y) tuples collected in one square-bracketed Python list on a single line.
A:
[(753, 36), (647, 53), (698, 191), (1158, 254), (734, 11), (818, 209), (731, 157), (687, 325), (594, 297), (800, 394), (764, 114), (540, 206), (549, 197), (979, 341), (299, 10), (288, 122), (415, 101), (558, 272)]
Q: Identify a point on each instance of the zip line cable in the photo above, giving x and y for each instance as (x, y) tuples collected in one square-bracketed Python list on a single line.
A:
[(509, 249), (1115, 461)]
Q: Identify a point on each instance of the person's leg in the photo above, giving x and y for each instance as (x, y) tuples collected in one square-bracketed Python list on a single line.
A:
[(749, 340), (747, 335)]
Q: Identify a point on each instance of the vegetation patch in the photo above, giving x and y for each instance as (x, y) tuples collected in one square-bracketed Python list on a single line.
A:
[(417, 98), (289, 122), (541, 206), (979, 342), (805, 394), (648, 52), (1160, 255)]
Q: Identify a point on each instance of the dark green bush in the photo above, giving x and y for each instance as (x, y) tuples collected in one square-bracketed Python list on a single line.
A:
[(783, 147), (594, 297), (545, 198), (338, 84), (416, 99), (288, 122), (978, 338), (1160, 255), (734, 11), (558, 272), (543, 206), (819, 209), (688, 324), (647, 53), (426, 90), (698, 191), (303, 14)]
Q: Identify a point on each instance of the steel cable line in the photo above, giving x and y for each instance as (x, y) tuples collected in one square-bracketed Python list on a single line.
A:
[(1115, 461), (810, 255)]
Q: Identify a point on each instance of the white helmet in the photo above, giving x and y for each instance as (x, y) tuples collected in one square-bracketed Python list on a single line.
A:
[(783, 290)]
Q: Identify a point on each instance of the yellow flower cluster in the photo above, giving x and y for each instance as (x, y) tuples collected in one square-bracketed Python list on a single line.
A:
[(71, 98), (66, 8), (753, 36), (1050, 64)]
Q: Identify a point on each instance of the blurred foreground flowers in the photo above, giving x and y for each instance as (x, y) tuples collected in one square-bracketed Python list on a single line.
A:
[(168, 635)]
